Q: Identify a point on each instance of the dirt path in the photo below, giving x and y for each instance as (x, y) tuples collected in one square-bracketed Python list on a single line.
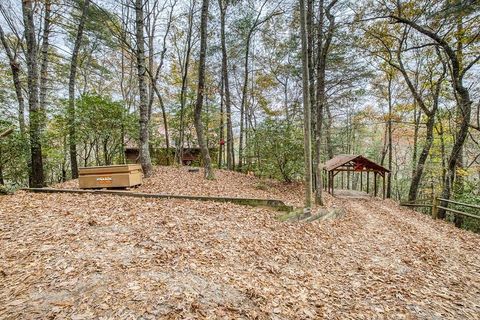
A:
[(445, 259), (87, 256)]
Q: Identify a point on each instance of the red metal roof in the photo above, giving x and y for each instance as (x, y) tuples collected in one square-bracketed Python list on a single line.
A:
[(353, 159)]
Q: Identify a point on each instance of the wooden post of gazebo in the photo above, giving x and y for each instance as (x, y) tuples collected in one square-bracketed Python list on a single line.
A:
[(375, 183), (348, 178), (361, 180), (368, 182), (383, 186)]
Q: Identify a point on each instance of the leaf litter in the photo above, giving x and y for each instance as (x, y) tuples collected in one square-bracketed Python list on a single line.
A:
[(98, 256), (179, 181)]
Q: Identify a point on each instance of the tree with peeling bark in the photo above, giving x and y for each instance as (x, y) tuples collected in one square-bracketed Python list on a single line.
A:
[(207, 162)]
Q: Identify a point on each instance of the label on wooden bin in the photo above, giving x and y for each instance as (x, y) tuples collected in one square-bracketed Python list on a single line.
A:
[(104, 180)]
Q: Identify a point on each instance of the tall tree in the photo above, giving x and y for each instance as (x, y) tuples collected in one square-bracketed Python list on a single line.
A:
[(324, 39), (155, 74), (307, 124), (243, 102), (390, 132), (144, 146), (44, 60), (207, 162), (223, 4), (35, 111), (71, 91), (184, 68)]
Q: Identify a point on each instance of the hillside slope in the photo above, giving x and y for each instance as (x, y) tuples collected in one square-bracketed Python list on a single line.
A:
[(91, 256), (173, 180)]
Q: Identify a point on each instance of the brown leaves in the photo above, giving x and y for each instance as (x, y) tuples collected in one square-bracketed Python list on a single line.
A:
[(93, 256), (178, 181)]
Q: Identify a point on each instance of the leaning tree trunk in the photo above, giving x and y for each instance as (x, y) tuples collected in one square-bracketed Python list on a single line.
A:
[(306, 107), (35, 112), (417, 115), (71, 92), (200, 93), (464, 102), (418, 173), (145, 160), (15, 68)]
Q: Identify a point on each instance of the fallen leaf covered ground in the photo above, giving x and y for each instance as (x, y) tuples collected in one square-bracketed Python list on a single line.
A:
[(178, 180), (97, 256)]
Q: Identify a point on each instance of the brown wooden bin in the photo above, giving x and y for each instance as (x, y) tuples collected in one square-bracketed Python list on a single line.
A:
[(118, 176)]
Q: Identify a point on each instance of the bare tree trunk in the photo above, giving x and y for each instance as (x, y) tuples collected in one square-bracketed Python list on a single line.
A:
[(390, 146), (71, 91), (165, 123), (200, 93), (145, 160), (183, 91), (323, 45), (418, 173), (222, 126), (243, 101), (44, 61), (328, 132), (459, 179), (307, 112), (416, 118), (15, 68), (2, 181), (154, 76), (441, 133), (36, 114), (311, 61), (320, 102), (244, 112), (223, 4)]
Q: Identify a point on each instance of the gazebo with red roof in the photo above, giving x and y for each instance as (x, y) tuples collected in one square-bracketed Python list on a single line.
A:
[(352, 164)]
